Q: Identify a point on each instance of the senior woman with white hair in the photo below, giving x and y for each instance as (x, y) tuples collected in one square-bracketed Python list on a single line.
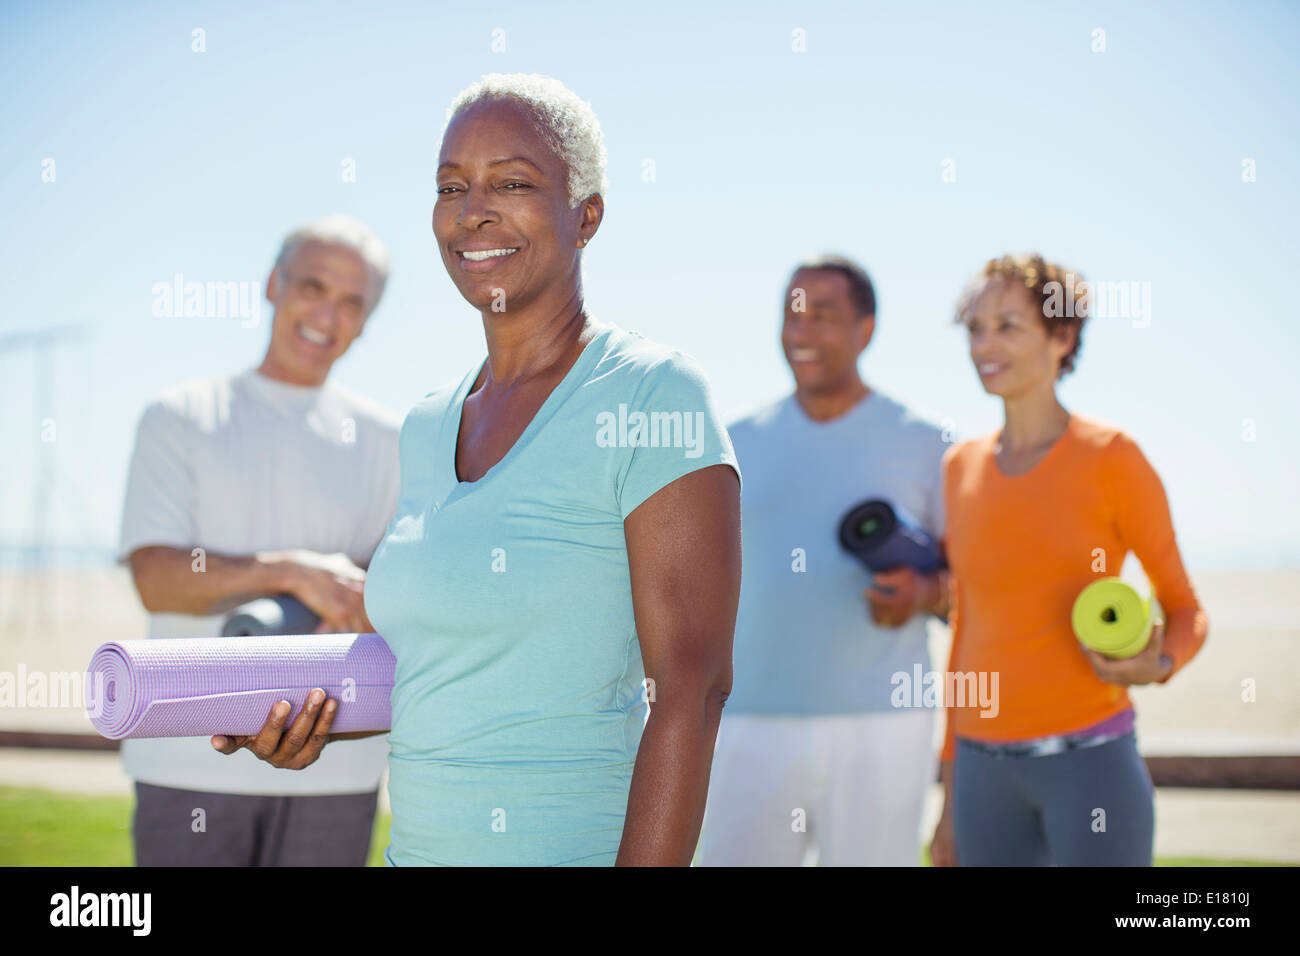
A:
[(566, 551)]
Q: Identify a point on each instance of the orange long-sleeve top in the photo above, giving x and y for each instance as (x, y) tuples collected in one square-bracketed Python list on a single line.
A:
[(1021, 548)]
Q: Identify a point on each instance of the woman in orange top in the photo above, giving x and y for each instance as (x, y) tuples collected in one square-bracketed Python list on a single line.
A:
[(1041, 765)]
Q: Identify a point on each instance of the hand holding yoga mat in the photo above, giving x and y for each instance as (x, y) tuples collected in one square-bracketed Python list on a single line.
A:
[(197, 687), (1112, 618)]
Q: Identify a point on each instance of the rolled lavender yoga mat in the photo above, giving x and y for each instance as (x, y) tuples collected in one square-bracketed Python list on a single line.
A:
[(196, 687)]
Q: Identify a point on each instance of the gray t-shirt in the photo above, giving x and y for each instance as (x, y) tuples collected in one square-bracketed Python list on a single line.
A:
[(805, 642), (241, 464)]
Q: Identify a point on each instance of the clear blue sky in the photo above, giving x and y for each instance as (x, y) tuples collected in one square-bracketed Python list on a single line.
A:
[(1126, 164)]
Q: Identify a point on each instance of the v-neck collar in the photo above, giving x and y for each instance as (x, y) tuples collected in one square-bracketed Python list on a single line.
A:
[(451, 430)]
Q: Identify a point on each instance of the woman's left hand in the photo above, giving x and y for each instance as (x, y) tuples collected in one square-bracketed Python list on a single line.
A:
[(1153, 664)]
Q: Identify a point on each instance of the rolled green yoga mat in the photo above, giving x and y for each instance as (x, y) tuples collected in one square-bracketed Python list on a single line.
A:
[(1112, 618)]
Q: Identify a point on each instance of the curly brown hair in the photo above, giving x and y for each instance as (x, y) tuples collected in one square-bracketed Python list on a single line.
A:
[(1061, 294)]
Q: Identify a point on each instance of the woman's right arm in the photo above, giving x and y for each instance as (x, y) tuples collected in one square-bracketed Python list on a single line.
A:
[(943, 847), (300, 745)]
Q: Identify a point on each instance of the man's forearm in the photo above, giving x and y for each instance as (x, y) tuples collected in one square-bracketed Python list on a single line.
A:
[(176, 581), (935, 600), (670, 784)]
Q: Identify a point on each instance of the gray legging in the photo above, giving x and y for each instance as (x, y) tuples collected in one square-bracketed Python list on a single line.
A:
[(1040, 811)]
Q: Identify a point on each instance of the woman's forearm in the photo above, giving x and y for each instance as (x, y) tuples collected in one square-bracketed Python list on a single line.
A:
[(1185, 632), (670, 782)]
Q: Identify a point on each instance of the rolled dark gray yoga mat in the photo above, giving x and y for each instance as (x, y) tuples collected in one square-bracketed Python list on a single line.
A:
[(884, 537), (271, 615)]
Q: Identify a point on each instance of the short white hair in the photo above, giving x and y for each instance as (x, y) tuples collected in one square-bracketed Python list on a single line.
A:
[(340, 230), (566, 122)]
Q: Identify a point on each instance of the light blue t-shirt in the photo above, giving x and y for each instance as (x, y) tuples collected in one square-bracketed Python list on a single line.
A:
[(519, 703), (805, 642)]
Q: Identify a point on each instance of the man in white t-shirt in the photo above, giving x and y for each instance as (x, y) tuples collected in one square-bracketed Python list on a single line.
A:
[(270, 481), (814, 752)]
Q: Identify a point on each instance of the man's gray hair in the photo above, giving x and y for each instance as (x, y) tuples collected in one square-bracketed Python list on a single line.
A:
[(340, 230), (566, 122)]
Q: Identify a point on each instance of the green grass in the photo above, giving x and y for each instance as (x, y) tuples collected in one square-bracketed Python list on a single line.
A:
[(54, 828)]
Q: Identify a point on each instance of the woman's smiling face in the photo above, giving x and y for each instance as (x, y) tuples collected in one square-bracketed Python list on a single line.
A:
[(502, 218), (1010, 346)]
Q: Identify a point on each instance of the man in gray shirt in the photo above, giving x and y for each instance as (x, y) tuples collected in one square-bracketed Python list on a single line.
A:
[(269, 481), (815, 752)]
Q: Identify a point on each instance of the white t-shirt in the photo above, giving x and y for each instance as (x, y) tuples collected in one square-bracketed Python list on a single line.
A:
[(241, 464)]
